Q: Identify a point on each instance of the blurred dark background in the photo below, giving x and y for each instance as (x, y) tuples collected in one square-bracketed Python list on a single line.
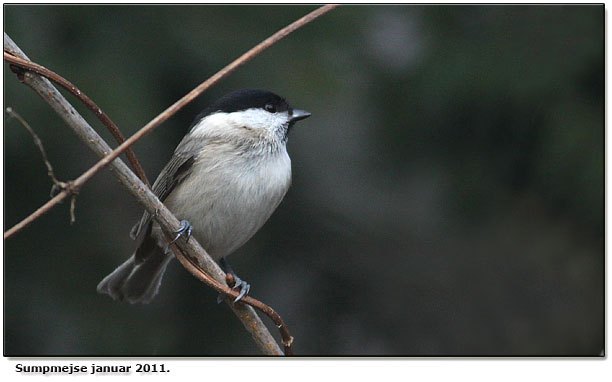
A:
[(447, 197)]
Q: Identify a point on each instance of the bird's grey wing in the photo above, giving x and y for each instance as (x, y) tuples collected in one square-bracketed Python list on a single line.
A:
[(177, 169)]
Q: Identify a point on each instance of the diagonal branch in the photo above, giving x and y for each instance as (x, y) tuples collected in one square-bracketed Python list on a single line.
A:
[(20, 64), (163, 116), (193, 253), (57, 184), (37, 142), (141, 192)]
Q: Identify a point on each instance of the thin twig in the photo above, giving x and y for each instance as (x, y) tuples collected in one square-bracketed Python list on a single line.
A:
[(19, 64), (142, 193), (170, 111), (192, 266), (38, 143), (163, 116), (164, 217), (57, 184)]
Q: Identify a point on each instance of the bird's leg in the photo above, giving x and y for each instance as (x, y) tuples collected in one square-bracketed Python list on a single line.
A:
[(185, 229), (243, 285)]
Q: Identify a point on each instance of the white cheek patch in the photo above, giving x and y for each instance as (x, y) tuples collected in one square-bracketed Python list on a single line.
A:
[(251, 118), (213, 122)]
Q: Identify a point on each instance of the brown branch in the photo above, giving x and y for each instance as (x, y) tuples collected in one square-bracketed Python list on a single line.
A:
[(170, 111), (19, 64), (196, 254), (142, 193), (231, 294), (256, 50), (36, 214), (57, 184), (163, 116), (38, 143)]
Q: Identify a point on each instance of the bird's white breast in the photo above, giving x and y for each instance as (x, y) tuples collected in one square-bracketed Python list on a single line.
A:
[(228, 200)]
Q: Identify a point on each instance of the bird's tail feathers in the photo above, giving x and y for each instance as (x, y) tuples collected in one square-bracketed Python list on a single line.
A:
[(137, 280)]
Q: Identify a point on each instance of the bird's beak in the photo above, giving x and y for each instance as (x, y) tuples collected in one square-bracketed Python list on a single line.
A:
[(299, 115)]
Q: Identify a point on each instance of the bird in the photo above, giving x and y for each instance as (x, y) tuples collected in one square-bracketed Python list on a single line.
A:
[(224, 180)]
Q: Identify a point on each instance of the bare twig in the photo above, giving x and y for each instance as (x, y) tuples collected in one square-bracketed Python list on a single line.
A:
[(38, 143), (192, 266), (163, 116), (195, 254), (36, 214), (170, 111), (195, 258), (57, 184), (87, 134), (18, 65)]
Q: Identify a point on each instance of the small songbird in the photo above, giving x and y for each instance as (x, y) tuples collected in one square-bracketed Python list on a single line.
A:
[(224, 180)]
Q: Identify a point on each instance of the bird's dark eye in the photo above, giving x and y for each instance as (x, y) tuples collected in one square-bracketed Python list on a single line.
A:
[(270, 108)]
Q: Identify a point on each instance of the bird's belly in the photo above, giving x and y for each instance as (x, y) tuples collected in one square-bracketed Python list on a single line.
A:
[(224, 215)]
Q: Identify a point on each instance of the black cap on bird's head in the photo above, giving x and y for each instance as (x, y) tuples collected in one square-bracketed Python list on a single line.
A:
[(250, 99), (245, 99)]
